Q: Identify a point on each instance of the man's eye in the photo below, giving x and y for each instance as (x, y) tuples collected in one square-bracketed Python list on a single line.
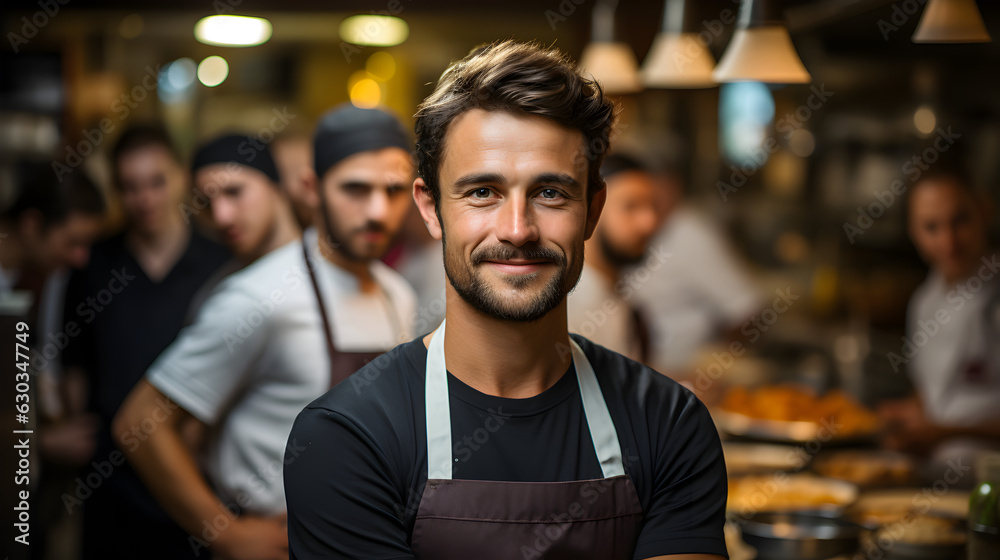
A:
[(550, 193), (481, 193)]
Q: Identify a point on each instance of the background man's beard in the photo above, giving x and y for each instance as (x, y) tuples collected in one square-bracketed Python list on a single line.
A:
[(470, 285), (345, 249), (615, 256)]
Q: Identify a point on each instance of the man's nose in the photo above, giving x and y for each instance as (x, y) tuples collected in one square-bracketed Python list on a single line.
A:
[(648, 220), (223, 213), (377, 207), (79, 257), (516, 221)]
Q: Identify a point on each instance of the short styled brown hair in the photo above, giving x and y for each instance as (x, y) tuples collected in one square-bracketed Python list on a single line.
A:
[(524, 78)]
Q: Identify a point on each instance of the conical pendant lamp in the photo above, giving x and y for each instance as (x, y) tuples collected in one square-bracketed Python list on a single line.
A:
[(761, 49), (611, 63), (951, 21), (679, 58)]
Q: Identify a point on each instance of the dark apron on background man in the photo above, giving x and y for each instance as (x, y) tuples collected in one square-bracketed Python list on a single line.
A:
[(343, 364), (485, 520)]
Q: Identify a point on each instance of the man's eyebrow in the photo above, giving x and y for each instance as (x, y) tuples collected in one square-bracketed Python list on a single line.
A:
[(355, 184), (480, 178), (562, 179)]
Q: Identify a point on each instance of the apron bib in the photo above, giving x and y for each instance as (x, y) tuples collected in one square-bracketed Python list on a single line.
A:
[(342, 364), (487, 520)]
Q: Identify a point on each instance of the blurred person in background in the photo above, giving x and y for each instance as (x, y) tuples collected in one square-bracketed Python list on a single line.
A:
[(48, 228), (695, 290), (420, 262), (599, 306), (952, 345), (47, 231), (130, 302), (276, 335), (293, 156)]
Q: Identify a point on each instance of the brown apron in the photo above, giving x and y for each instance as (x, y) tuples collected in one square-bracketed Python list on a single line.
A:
[(487, 520), (342, 364)]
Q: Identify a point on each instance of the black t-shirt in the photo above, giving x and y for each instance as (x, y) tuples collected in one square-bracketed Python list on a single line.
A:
[(356, 461), (125, 321)]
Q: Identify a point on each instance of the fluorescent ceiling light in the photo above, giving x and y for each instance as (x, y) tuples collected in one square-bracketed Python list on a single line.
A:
[(374, 31), (232, 31)]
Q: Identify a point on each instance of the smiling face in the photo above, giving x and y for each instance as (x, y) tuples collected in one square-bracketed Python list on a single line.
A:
[(513, 212)]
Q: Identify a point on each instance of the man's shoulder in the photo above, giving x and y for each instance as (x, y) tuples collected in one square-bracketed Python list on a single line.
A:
[(206, 249), (279, 269), (393, 281), (385, 387), (108, 250), (638, 388)]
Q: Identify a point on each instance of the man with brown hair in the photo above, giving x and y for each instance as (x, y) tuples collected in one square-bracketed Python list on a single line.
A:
[(531, 443)]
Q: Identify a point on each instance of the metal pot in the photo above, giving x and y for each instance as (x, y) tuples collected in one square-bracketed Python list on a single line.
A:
[(800, 535)]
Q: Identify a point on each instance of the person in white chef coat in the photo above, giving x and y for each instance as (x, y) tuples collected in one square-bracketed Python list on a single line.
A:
[(951, 349)]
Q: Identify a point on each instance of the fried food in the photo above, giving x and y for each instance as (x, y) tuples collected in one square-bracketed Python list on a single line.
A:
[(789, 403), (787, 492), (865, 468), (923, 530)]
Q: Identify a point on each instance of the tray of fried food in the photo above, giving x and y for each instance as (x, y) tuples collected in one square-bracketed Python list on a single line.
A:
[(876, 508), (781, 491), (866, 467), (789, 413)]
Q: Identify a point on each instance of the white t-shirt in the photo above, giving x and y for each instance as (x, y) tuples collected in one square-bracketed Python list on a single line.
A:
[(423, 268), (698, 289), (256, 356), (599, 313), (955, 332)]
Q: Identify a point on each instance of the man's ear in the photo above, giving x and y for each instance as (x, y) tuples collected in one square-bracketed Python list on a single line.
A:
[(310, 187), (425, 204), (594, 211)]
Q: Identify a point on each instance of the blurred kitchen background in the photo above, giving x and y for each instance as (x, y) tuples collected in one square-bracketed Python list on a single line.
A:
[(792, 160), (874, 100)]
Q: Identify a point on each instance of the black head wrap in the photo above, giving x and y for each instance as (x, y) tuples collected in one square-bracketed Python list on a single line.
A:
[(240, 149), (346, 130)]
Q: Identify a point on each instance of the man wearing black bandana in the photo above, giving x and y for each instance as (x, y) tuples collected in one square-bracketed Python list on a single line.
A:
[(275, 335)]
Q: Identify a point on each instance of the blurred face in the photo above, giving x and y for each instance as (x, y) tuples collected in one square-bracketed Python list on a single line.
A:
[(367, 198), (948, 226), (513, 212), (152, 186), (245, 206), (293, 156), (629, 219), (67, 243)]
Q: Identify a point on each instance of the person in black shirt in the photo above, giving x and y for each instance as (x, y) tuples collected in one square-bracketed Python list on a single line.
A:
[(507, 437), (129, 304)]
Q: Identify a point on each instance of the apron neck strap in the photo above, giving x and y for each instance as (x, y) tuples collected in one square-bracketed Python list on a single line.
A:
[(438, 413)]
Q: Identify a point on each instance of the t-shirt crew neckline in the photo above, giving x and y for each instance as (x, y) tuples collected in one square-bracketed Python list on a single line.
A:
[(548, 399)]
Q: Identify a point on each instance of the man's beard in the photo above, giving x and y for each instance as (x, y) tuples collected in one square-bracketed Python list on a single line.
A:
[(617, 257), (469, 283), (341, 243)]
